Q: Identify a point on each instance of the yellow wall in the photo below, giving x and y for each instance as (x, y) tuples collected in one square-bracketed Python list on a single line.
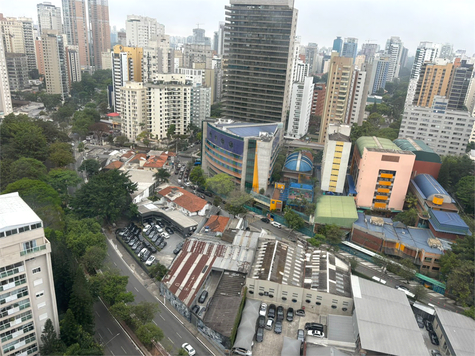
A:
[(135, 54)]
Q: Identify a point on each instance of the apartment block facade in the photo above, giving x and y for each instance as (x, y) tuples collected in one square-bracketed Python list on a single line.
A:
[(49, 17), (300, 108), (140, 29), (27, 295), (55, 63), (17, 66), (98, 12), (336, 154), (5, 97), (75, 26)]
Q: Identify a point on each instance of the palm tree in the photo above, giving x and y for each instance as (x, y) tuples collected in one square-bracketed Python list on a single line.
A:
[(411, 200), (162, 175)]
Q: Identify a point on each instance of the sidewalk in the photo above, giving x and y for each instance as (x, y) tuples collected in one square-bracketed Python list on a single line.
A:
[(152, 287)]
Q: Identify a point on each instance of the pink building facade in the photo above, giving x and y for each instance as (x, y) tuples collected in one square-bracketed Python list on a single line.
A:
[(382, 172)]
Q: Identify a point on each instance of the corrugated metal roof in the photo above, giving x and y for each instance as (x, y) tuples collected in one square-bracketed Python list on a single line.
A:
[(340, 328), (428, 186), (460, 331), (247, 327), (419, 148), (385, 320), (291, 347), (336, 210), (444, 221), (371, 142)]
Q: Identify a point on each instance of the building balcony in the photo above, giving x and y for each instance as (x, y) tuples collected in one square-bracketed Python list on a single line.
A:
[(33, 250)]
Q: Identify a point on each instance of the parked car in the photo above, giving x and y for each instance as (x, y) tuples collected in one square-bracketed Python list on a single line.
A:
[(165, 235), (195, 309), (428, 325), (261, 321), (162, 245), (435, 353), (260, 335), (276, 224), (316, 333), (300, 312), (206, 229), (139, 248), (135, 245), (203, 296), (145, 255), (271, 312), (177, 250), (278, 327), (159, 229), (420, 321), (141, 253), (161, 224), (313, 326), (187, 347), (269, 324), (155, 238), (145, 228), (263, 309), (290, 315), (152, 249), (433, 338), (208, 194), (280, 313), (265, 220), (150, 260), (300, 335), (403, 288), (169, 230), (133, 241)]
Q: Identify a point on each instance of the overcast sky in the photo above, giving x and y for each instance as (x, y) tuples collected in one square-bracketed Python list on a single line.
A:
[(320, 21)]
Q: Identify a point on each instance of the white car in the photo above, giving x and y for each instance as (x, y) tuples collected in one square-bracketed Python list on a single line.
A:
[(165, 235), (276, 224), (146, 227), (150, 261), (263, 309), (191, 351)]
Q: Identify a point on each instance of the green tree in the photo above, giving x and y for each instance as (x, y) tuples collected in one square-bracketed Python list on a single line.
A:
[(453, 169), (199, 136), (81, 302), (353, 263), (465, 193), (162, 175), (69, 328), (105, 196), (171, 131), (470, 312), (293, 220), (408, 270), (332, 233), (470, 146), (50, 100), (27, 168), (147, 333), (86, 345), (158, 271), (216, 110), (317, 240), (410, 200), (197, 176), (236, 201), (60, 154), (121, 140), (63, 114), (145, 312), (90, 166), (42, 198), (408, 217), (420, 292), (461, 282), (50, 342), (62, 179), (31, 143), (83, 234), (221, 183), (113, 288), (93, 258), (123, 312)]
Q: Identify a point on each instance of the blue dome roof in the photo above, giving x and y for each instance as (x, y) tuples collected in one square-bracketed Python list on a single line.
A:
[(430, 187), (298, 162)]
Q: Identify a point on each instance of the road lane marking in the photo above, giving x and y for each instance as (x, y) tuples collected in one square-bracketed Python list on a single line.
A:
[(136, 289), (154, 322), (170, 340), (162, 317), (109, 330), (115, 264), (179, 336), (123, 349), (113, 354), (97, 313)]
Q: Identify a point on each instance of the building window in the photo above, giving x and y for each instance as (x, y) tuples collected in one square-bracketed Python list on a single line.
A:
[(251, 292), (344, 309), (294, 300), (284, 298), (307, 301), (36, 270), (318, 303), (40, 294), (334, 306)]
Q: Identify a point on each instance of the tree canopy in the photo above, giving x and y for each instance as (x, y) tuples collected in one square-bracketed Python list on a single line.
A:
[(293, 220), (220, 183), (197, 176), (90, 166)]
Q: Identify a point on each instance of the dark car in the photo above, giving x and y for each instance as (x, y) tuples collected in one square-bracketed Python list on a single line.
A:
[(169, 230), (208, 194), (300, 335), (290, 315), (203, 296), (201, 190), (420, 321), (133, 241), (261, 321), (260, 335), (195, 309), (138, 247), (162, 245), (271, 311), (433, 338), (177, 250), (313, 326), (278, 327), (428, 325), (156, 237), (435, 353), (145, 256), (265, 220), (160, 224), (280, 313), (300, 312)]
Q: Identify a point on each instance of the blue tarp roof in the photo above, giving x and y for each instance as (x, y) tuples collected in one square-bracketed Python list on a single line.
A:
[(351, 184), (428, 186), (444, 221), (409, 236), (301, 186), (298, 162)]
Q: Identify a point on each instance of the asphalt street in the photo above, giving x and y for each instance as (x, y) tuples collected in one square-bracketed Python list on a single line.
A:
[(111, 335), (175, 333)]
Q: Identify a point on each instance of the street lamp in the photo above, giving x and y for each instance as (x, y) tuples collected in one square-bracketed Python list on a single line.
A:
[(111, 339)]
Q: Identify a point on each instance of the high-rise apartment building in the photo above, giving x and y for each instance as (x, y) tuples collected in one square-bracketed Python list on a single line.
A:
[(54, 57), (434, 80), (17, 66), (336, 154), (311, 54), (73, 65), (26, 277), (140, 29), (133, 109), (369, 50), (379, 75), (337, 45), (17, 35), (49, 17), (259, 36), (337, 97), (126, 66), (29, 39), (220, 39), (75, 26), (358, 95), (39, 56), (350, 48), (447, 51), (200, 105), (459, 85), (318, 100), (394, 48), (446, 131), (157, 58), (194, 54), (98, 12), (300, 107), (5, 96)]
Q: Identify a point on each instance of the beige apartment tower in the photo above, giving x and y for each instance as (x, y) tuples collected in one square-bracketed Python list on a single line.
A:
[(434, 80), (76, 28), (100, 30), (27, 297), (338, 93), (55, 63)]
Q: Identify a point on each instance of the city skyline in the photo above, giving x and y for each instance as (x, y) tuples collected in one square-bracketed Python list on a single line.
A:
[(419, 23)]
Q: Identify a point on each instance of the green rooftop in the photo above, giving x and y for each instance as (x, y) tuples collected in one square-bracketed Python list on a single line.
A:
[(372, 142), (419, 148), (337, 210)]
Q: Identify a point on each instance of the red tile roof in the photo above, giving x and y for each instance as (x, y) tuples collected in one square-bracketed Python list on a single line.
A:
[(114, 165), (217, 223), (128, 154), (187, 200), (138, 157), (156, 161)]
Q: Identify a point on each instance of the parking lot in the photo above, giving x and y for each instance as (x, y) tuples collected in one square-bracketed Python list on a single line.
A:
[(273, 343)]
